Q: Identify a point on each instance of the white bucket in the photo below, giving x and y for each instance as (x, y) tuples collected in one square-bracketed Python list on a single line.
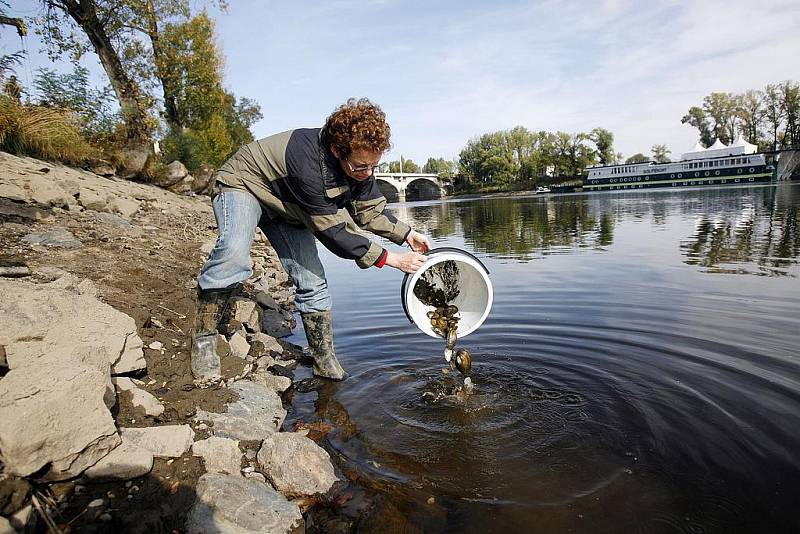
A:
[(474, 299)]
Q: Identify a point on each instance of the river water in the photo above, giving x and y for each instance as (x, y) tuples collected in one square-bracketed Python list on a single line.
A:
[(639, 371)]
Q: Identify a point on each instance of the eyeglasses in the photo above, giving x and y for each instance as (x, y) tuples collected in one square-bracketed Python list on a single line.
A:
[(360, 169)]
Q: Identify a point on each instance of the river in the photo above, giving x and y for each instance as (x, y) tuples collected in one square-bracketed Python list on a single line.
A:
[(639, 371)]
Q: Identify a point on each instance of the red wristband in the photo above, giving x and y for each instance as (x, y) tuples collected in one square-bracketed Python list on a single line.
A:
[(382, 260)]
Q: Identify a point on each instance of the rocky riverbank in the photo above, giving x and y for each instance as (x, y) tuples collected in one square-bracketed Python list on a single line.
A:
[(106, 423)]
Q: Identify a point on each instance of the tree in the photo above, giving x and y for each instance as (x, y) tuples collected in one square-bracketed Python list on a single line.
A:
[(637, 158), (404, 165), (72, 91), (790, 102), (721, 108), (773, 111), (751, 113), (572, 154), (660, 153), (697, 117), (444, 168), (604, 141), (106, 26)]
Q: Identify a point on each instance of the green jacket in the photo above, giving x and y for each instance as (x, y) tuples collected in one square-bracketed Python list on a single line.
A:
[(300, 182)]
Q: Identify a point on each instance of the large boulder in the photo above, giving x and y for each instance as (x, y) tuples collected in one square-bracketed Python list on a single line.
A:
[(53, 414), (295, 465), (171, 174), (237, 505), (47, 326)]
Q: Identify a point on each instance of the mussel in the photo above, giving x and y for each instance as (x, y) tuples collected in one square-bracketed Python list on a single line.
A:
[(463, 361)]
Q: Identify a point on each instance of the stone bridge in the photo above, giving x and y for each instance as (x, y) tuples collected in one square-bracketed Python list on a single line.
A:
[(399, 183)]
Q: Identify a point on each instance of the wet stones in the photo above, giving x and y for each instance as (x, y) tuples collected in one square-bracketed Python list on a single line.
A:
[(231, 503)]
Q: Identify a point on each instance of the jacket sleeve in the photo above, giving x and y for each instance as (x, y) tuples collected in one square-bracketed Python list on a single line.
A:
[(368, 208), (333, 226)]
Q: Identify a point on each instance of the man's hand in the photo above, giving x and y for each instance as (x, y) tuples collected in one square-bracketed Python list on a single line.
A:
[(407, 262), (418, 242)]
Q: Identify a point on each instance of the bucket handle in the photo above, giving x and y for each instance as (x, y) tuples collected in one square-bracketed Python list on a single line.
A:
[(440, 249)]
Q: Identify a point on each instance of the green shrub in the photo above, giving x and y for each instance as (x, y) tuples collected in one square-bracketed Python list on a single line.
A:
[(42, 132)]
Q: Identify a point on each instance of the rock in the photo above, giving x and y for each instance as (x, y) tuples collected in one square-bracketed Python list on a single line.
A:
[(239, 345), (70, 282), (126, 207), (265, 300), (168, 441), (14, 271), (272, 323), (184, 185), (155, 345), (295, 465), (258, 413), (233, 504), (102, 168), (72, 428), (13, 192), (278, 384), (57, 237), (42, 324), (49, 193), (14, 493), (113, 220), (269, 342), (125, 462), (170, 175), (19, 522), (139, 397), (220, 455), (256, 476), (92, 200), (246, 312)]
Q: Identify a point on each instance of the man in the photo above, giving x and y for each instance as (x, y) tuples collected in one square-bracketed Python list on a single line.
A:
[(297, 186)]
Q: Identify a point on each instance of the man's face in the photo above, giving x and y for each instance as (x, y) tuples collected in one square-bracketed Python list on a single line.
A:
[(361, 163)]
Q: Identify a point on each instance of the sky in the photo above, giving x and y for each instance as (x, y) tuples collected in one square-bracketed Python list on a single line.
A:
[(447, 71)]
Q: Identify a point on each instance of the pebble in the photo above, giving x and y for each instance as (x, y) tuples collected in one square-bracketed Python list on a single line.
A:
[(431, 500), (97, 503), (155, 345), (105, 518)]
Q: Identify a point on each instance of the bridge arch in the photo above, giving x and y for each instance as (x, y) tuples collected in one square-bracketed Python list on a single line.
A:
[(420, 185), (388, 190)]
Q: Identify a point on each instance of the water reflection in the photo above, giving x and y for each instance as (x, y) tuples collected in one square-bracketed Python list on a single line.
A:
[(749, 231)]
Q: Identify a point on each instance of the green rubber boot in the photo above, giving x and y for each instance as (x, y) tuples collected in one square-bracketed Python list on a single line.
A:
[(319, 333), (211, 306)]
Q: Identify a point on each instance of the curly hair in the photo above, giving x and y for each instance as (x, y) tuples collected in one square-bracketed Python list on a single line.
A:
[(357, 124)]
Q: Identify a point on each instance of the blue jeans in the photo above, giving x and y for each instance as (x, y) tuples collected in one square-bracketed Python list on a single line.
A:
[(238, 213)]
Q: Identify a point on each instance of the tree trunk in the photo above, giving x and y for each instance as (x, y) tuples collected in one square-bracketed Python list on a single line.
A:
[(84, 12), (170, 99)]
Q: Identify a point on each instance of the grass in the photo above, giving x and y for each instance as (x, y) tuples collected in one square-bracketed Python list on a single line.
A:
[(42, 132)]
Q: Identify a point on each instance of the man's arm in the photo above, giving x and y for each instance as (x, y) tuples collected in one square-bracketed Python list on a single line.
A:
[(368, 208)]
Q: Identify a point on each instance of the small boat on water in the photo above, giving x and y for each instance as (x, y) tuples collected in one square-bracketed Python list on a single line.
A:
[(736, 164), (541, 189)]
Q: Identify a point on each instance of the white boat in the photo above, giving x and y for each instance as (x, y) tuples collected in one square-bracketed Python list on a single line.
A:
[(720, 164)]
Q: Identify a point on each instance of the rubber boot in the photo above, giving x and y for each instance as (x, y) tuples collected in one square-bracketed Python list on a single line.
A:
[(211, 305), (319, 333)]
